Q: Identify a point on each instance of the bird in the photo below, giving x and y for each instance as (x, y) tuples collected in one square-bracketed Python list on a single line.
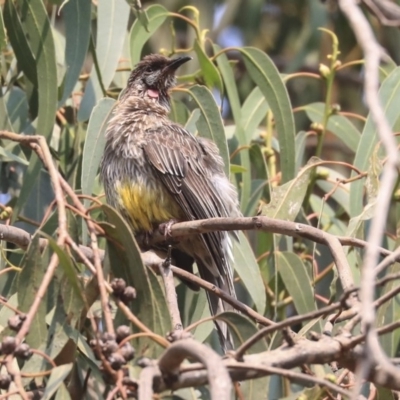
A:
[(155, 172)]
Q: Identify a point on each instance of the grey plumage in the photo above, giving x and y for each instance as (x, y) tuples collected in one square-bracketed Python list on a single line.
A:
[(169, 173)]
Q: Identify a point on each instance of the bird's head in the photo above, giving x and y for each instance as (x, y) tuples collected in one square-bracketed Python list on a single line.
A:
[(153, 77)]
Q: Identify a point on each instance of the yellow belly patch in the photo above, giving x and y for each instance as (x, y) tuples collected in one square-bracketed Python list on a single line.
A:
[(146, 208)]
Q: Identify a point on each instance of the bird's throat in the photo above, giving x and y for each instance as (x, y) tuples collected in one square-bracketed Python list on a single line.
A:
[(154, 94)]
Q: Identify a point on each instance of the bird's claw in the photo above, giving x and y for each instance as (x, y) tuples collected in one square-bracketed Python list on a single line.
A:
[(165, 228)]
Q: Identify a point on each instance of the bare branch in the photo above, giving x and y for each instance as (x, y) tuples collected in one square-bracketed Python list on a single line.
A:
[(218, 377), (373, 52)]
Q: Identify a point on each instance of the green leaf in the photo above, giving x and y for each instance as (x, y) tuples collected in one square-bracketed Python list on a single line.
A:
[(209, 124), (247, 268), (341, 194), (389, 95), (8, 156), (31, 178), (94, 143), (240, 132), (150, 305), (57, 377), (17, 109), (211, 75), (62, 393), (112, 21), (339, 125), (264, 73), (3, 41), (196, 308), (301, 139), (29, 280), (141, 34), (37, 26), (68, 267), (77, 19), (297, 281), (254, 111), (229, 83), (19, 43), (287, 199)]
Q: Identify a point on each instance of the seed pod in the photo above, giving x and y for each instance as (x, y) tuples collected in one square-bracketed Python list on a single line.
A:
[(127, 351), (5, 381), (8, 345), (116, 361), (23, 351), (122, 332), (129, 294), (118, 286)]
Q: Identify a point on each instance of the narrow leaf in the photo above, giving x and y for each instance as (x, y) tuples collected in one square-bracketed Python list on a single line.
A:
[(210, 124), (94, 143), (389, 95), (112, 21), (37, 26), (287, 199), (76, 15), (57, 377), (140, 34), (29, 280), (339, 125), (297, 281), (239, 132), (247, 268), (264, 73), (211, 75)]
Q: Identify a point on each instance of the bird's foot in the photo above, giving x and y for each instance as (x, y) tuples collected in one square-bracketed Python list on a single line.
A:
[(144, 239), (168, 260), (165, 228)]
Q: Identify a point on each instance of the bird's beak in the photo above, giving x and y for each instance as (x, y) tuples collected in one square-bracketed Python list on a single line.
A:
[(176, 63)]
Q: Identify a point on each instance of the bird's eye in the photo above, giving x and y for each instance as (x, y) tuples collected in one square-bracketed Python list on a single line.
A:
[(150, 68)]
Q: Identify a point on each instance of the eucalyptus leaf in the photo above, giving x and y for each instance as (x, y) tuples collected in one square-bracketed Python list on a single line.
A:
[(210, 124), (112, 23), (264, 73)]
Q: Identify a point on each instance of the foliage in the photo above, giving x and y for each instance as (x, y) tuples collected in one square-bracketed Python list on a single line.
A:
[(282, 159)]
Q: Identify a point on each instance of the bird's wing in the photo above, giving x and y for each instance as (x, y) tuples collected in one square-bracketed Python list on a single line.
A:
[(179, 160)]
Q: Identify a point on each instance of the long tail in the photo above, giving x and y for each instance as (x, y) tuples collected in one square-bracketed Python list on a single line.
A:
[(217, 306)]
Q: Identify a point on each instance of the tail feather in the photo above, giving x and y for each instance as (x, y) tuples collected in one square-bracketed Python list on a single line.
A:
[(217, 306)]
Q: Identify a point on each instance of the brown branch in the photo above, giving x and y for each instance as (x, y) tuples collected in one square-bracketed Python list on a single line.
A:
[(373, 53), (217, 375), (170, 294), (304, 351)]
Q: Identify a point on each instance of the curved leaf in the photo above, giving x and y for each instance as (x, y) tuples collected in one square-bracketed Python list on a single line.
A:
[(112, 22), (297, 281), (140, 34), (254, 111), (94, 143), (239, 131), (286, 200), (338, 124), (37, 27), (19, 43), (76, 15), (264, 73), (389, 95), (212, 77), (57, 377), (209, 124), (34, 268), (247, 268)]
